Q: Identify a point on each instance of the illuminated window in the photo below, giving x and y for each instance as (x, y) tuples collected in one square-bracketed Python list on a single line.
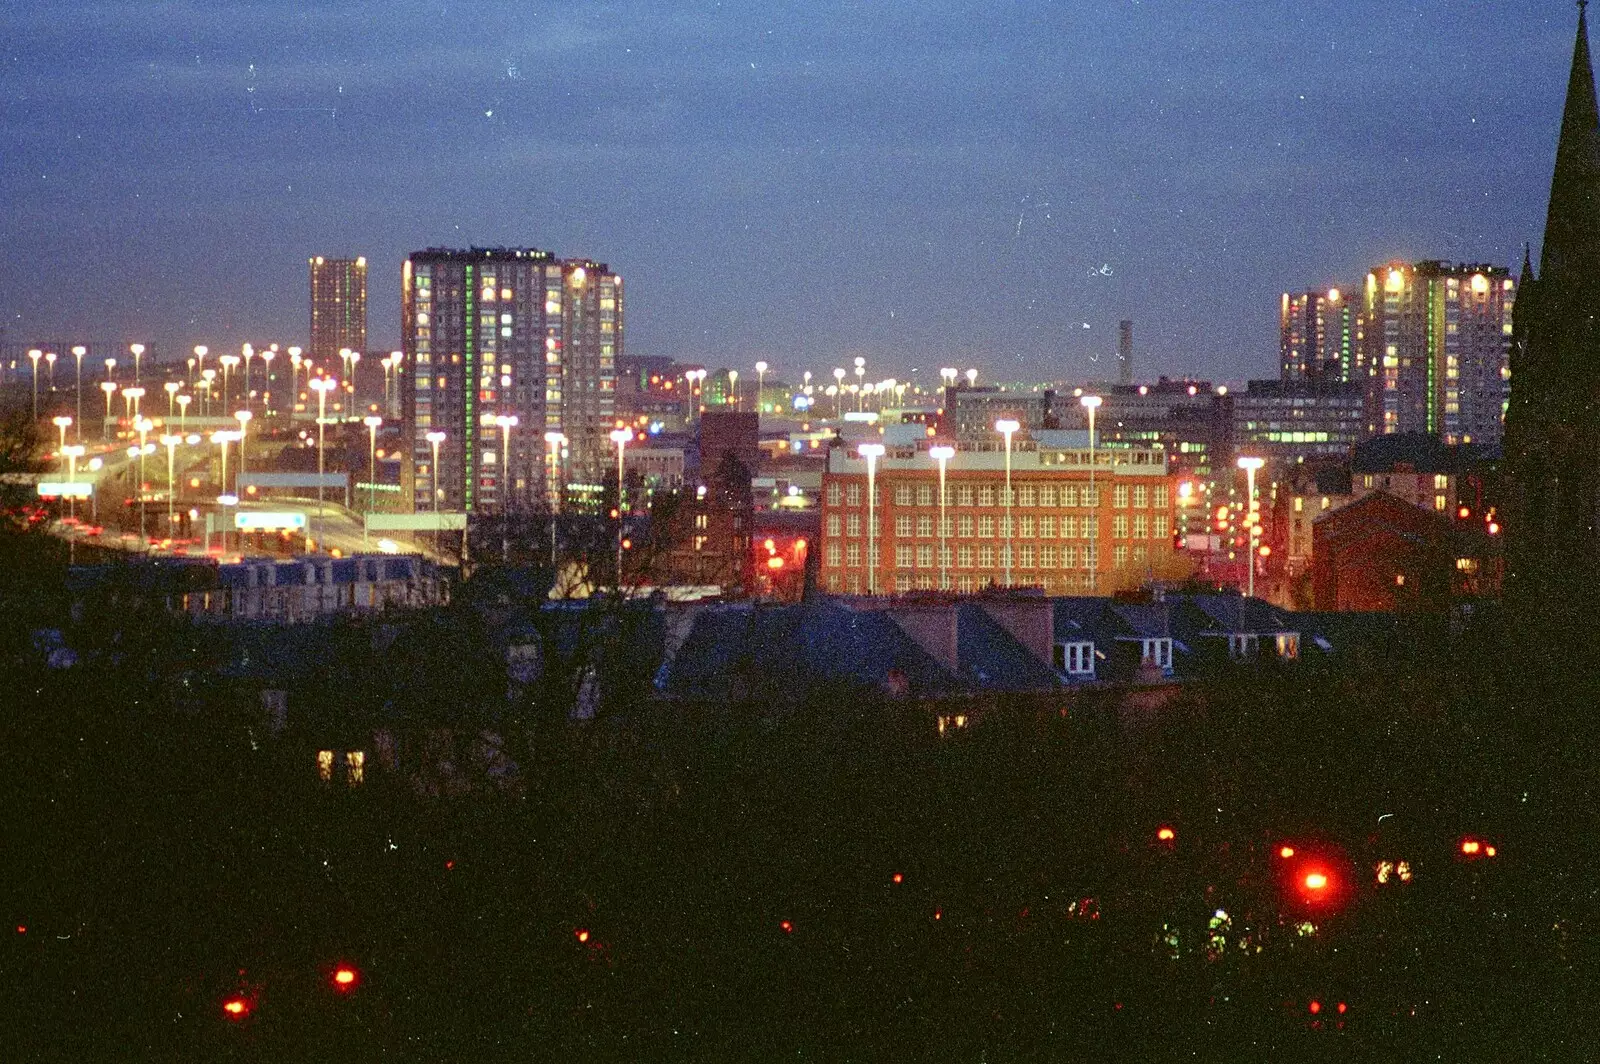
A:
[(1026, 496), (355, 765), (1025, 527), (986, 496), (1025, 556), (852, 554), (1439, 502), (833, 523), (1047, 496), (1069, 527), (1047, 557), (1047, 528), (1299, 504), (964, 496), (833, 493), (964, 525), (1141, 497), (1119, 526), (834, 554), (902, 494), (852, 495), (1160, 500), (986, 527), (325, 764), (1141, 527), (1069, 496), (924, 526), (964, 557), (852, 525), (925, 495), (1119, 497), (1159, 526)]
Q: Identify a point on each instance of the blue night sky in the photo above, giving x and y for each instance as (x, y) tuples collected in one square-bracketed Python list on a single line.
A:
[(922, 183)]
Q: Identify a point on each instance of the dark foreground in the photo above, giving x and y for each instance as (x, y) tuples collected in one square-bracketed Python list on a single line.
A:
[(842, 885)]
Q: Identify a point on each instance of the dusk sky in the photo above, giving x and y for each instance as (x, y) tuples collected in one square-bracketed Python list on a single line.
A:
[(922, 183)]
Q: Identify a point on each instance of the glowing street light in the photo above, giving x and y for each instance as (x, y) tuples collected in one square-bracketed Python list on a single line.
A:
[(1250, 465), (248, 352), (761, 376), (435, 438), (505, 423), (872, 452), (78, 351), (942, 453), (322, 386), (110, 388), (372, 421), (243, 417), (861, 372), (838, 378), (137, 350), (132, 397), (554, 442), (733, 386), (171, 388), (61, 422), (183, 410), (170, 442), (1006, 427), (229, 363), (200, 353), (34, 356), (620, 437), (1091, 403)]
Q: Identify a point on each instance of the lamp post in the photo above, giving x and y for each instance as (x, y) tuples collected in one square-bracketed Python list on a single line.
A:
[(372, 421), (110, 388), (861, 372), (183, 411), (200, 353), (111, 367), (243, 417), (872, 452), (553, 442), (78, 351), (435, 438), (229, 364), (171, 388), (72, 454), (942, 453), (61, 422), (266, 372), (50, 373), (133, 395), (322, 386), (620, 437), (208, 377), (1091, 403), (1250, 465), (34, 356), (972, 378), (248, 352), (294, 374), (144, 425), (1006, 427), (222, 438), (505, 423), (350, 385), (137, 350), (838, 399), (170, 442), (761, 376), (733, 386)]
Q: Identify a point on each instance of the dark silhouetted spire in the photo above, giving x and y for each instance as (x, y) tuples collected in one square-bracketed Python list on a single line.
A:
[(1572, 227)]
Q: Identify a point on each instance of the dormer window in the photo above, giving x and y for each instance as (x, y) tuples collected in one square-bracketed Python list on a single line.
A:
[(1244, 645), (1157, 652), (1075, 659)]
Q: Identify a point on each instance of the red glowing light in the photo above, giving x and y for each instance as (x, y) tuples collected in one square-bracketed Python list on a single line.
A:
[(1314, 1008), (1316, 881), (1286, 852), (897, 878), (1341, 1008), (22, 929), (344, 978), (1494, 528), (1166, 834), (1488, 851), (774, 563), (788, 928), (1471, 846), (448, 865), (582, 934), (1464, 513), (938, 914), (236, 1007)]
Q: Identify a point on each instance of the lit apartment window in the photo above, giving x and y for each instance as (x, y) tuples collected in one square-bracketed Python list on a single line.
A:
[(700, 521), (852, 555), (1025, 556), (964, 557), (1047, 557), (355, 766), (1288, 645), (325, 764), (1025, 527), (1299, 505), (1069, 496), (1441, 482), (1141, 497), (852, 525), (985, 557), (852, 495), (1439, 502), (902, 494), (1119, 497), (1160, 502), (964, 496), (924, 526), (834, 554), (833, 494), (986, 527), (985, 496), (1047, 496), (1026, 496), (1047, 528), (964, 525), (1069, 527), (1158, 528)]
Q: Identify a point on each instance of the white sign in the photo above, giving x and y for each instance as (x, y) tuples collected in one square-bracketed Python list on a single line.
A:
[(268, 521), (78, 489)]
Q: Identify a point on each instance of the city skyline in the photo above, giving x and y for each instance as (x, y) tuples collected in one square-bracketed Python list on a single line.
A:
[(1085, 166)]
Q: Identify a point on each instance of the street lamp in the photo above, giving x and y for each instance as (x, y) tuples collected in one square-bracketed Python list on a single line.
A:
[(266, 371), (200, 352), (1250, 465), (872, 452), (435, 438), (50, 368), (322, 386), (372, 421), (144, 425), (505, 422), (61, 422), (553, 442), (838, 379), (170, 442), (171, 388), (1007, 426), (72, 454), (110, 388), (208, 377), (733, 386), (133, 395), (78, 351), (350, 385), (229, 362), (243, 417), (222, 438), (1091, 403), (761, 376), (294, 372), (34, 356), (249, 353), (620, 437), (861, 372), (972, 378), (137, 350), (942, 453), (183, 410)]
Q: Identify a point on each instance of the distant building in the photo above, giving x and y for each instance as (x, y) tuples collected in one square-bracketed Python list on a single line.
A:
[(1069, 537), (1320, 334), (726, 434), (1302, 419), (1437, 343), (1125, 352), (1427, 474), (970, 413), (507, 332), (338, 308), (1187, 419), (1381, 553)]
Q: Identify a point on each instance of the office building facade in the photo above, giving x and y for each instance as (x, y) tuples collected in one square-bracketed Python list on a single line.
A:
[(499, 333), (1065, 530), (338, 308)]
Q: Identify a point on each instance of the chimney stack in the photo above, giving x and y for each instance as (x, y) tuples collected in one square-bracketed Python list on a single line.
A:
[(1125, 352)]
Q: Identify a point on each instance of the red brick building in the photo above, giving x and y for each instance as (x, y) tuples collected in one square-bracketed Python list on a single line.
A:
[(1383, 553)]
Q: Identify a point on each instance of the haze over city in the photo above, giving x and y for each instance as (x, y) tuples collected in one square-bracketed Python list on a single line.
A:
[(921, 184)]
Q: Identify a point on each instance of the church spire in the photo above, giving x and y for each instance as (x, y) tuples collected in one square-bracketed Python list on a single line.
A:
[(1571, 251)]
